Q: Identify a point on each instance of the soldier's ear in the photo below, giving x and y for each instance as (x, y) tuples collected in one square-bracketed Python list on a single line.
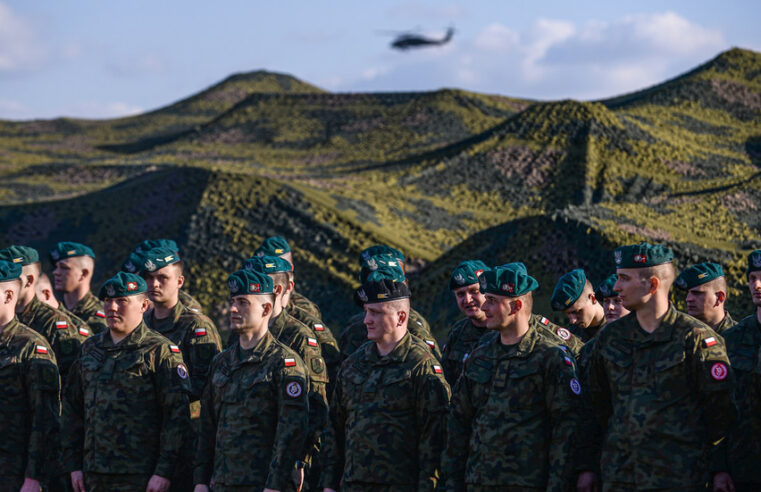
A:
[(720, 297), (402, 318), (266, 309), (180, 281), (278, 290), (517, 305), (593, 298), (654, 282)]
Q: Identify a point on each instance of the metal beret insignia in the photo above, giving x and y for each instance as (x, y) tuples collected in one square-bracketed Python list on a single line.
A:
[(54, 254), (130, 267), (681, 283), (150, 265), (618, 256), (233, 286), (362, 295), (755, 258), (110, 291), (459, 279)]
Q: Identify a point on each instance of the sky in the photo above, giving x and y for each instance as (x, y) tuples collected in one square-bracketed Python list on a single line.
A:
[(104, 59)]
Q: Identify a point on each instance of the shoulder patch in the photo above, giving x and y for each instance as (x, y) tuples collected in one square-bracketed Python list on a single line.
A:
[(564, 334), (100, 314), (174, 348), (544, 321), (312, 342), (84, 332), (719, 371), (430, 343), (575, 386), (200, 331), (294, 389), (289, 362), (437, 369), (709, 342), (61, 325), (41, 349), (182, 371), (319, 327)]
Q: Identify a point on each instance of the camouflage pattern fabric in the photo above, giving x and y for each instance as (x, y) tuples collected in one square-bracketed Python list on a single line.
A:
[(197, 338), (462, 339), (90, 309), (125, 408), (562, 335), (328, 344), (355, 333), (190, 302), (662, 399), (387, 419), (740, 454), (513, 416), (58, 329), (81, 324), (115, 482), (301, 301), (254, 418), (586, 334), (725, 324), (29, 386)]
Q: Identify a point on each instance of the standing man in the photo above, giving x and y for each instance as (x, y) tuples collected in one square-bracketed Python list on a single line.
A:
[(659, 382), (254, 414), (513, 410), (610, 300), (465, 333), (125, 409), (739, 459), (74, 266), (707, 290), (44, 293), (575, 296), (389, 408), (29, 386)]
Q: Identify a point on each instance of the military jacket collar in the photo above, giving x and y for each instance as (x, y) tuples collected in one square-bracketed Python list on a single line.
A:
[(398, 354), (9, 331), (30, 308), (232, 360), (663, 333), (88, 302), (278, 324), (133, 340), (174, 314), (749, 333), (525, 346)]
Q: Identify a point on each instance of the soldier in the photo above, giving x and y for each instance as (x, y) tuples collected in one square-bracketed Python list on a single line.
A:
[(278, 246), (125, 409), (355, 332), (254, 416), (706, 289), (29, 385), (575, 296), (57, 328), (659, 382), (74, 265), (512, 415), (389, 408), (739, 458), (466, 332), (611, 301)]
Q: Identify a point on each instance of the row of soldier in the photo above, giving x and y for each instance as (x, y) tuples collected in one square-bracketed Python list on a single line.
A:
[(150, 403)]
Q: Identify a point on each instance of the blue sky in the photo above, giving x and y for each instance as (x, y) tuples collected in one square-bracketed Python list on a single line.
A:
[(101, 59)]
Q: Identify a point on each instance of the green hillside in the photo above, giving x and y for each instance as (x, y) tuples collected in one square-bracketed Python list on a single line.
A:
[(444, 176)]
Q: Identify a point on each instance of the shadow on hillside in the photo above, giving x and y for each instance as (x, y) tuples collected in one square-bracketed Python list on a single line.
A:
[(753, 148)]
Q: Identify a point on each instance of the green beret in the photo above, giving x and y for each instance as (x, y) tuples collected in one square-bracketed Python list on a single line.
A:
[(267, 264), (122, 284), (249, 282), (754, 262), (568, 289), (466, 273), (506, 282), (149, 244), (381, 249), (698, 275), (9, 270), (133, 263), (378, 289), (605, 289), (273, 246), (24, 255), (386, 264), (157, 258), (642, 255), (516, 265), (68, 249)]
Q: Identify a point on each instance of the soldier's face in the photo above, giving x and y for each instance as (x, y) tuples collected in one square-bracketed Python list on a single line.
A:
[(633, 290), (469, 300), (614, 308), (497, 310), (582, 312), (381, 320), (247, 312), (754, 283), (123, 314), (67, 275), (164, 284), (701, 300)]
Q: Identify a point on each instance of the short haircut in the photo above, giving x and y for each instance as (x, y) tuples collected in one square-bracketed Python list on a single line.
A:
[(397, 305), (666, 273), (528, 301), (719, 284), (44, 282), (281, 279)]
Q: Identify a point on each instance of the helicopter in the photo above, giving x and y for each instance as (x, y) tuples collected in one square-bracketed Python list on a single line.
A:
[(408, 40)]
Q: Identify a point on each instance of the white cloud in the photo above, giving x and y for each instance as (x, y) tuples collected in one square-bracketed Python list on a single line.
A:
[(20, 48), (497, 37)]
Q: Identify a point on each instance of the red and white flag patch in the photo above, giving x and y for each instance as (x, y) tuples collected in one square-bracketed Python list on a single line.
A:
[(312, 342), (175, 349), (84, 332), (709, 342), (544, 321), (199, 332), (100, 314), (41, 349), (430, 343), (61, 325), (289, 362), (568, 361), (437, 369), (318, 327), (719, 371)]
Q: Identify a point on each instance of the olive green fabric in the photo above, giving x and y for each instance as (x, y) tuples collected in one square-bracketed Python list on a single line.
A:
[(301, 301), (90, 309), (463, 337)]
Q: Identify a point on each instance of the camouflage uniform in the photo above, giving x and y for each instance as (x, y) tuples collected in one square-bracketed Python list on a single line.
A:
[(586, 334), (78, 322), (513, 416), (254, 418), (662, 399), (462, 339), (125, 410), (355, 333), (190, 302), (59, 330), (29, 385), (559, 334), (740, 454), (328, 344), (301, 301), (387, 420), (725, 324), (90, 309)]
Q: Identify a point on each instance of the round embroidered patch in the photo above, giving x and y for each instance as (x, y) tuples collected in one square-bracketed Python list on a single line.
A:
[(575, 386), (719, 371), (293, 389), (564, 334), (182, 371)]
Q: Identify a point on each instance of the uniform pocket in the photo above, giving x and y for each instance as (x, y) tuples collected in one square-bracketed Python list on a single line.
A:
[(671, 376), (525, 386)]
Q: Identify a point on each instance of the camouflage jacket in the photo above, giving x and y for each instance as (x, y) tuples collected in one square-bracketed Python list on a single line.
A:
[(513, 416), (563, 336), (662, 399), (740, 455), (355, 333), (29, 386), (328, 344), (81, 324), (387, 419), (58, 329), (585, 334), (301, 301), (125, 408), (462, 339), (254, 417), (190, 302), (90, 309), (725, 324), (299, 338), (197, 338)]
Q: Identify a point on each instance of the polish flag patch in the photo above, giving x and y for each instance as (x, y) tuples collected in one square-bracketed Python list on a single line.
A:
[(84, 332), (312, 342), (568, 361), (175, 349), (289, 362), (100, 314), (61, 325), (437, 369), (318, 327), (199, 332), (544, 321), (41, 349), (430, 343), (709, 342)]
